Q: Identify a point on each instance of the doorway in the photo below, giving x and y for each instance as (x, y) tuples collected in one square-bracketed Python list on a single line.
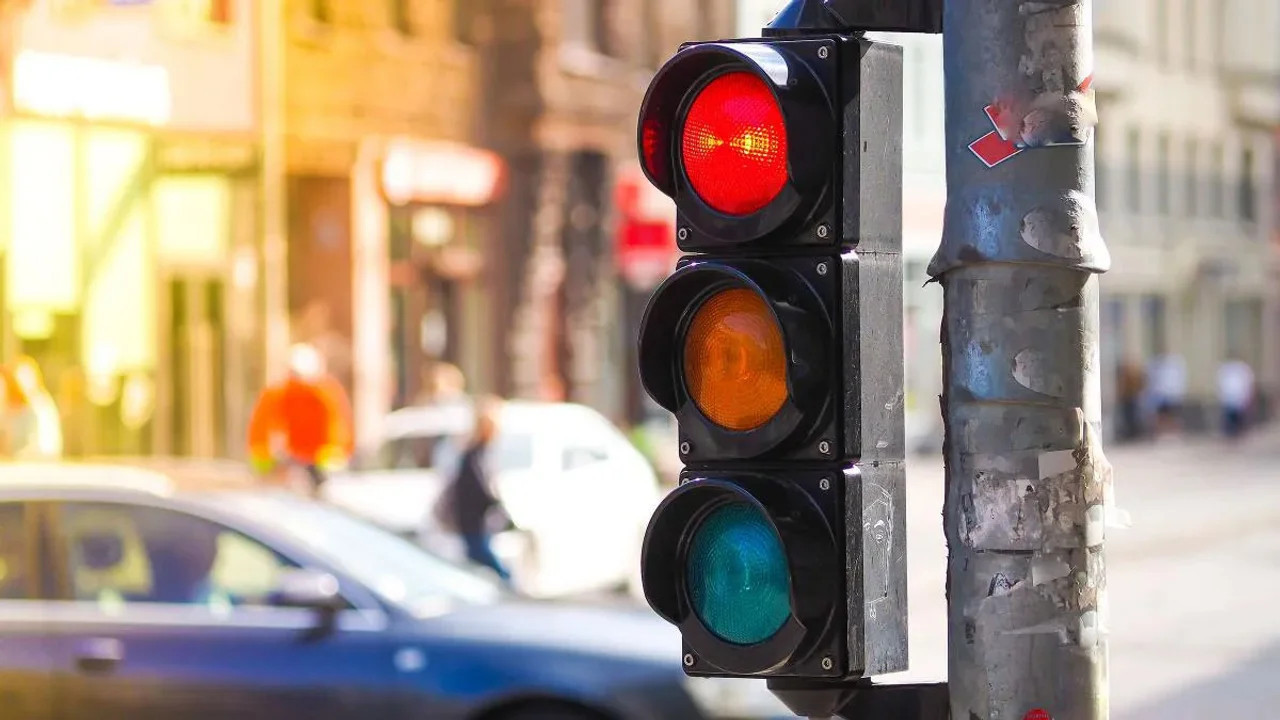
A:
[(196, 408)]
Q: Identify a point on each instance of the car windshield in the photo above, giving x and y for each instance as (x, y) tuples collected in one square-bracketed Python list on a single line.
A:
[(396, 570), (511, 451)]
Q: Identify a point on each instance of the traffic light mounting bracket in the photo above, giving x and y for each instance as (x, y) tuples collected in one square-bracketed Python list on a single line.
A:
[(863, 699), (850, 16)]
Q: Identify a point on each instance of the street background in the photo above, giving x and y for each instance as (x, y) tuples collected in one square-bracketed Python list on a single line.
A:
[(449, 188)]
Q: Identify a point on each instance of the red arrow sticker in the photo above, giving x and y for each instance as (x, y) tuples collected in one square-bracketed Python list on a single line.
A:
[(997, 146)]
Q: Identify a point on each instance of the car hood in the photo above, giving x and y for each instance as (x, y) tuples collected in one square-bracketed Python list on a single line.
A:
[(623, 633)]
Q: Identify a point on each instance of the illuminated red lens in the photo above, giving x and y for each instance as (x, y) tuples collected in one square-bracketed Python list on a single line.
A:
[(734, 144)]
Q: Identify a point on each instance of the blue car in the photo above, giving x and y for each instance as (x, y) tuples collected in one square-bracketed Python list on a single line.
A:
[(147, 590)]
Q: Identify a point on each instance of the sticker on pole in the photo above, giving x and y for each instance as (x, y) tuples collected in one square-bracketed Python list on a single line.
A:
[(992, 149), (1050, 121), (1037, 714)]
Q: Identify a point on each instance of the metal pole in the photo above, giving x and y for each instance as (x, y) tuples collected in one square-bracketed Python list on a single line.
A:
[(1027, 484)]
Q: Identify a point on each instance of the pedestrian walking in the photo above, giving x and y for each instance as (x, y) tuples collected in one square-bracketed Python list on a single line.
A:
[(475, 508), (1235, 396), (1169, 392), (441, 383), (1133, 382), (304, 421), (33, 427)]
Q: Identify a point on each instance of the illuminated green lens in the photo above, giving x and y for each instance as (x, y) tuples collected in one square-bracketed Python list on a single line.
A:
[(738, 576)]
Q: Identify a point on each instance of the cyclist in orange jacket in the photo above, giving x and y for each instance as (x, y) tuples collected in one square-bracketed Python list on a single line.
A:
[(306, 418)]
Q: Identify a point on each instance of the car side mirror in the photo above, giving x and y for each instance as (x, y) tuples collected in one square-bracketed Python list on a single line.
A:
[(311, 590)]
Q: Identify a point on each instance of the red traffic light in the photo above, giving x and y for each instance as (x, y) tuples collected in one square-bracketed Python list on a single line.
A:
[(734, 144), (744, 138)]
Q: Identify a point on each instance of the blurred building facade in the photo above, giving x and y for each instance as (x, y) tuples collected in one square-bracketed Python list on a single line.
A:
[(583, 239), (389, 202), (1189, 99), (477, 156), (127, 218)]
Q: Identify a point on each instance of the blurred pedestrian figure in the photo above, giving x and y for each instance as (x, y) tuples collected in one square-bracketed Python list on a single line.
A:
[(1133, 382), (1168, 391), (314, 327), (73, 402), (472, 498), (33, 427), (442, 383), (1235, 395), (304, 421)]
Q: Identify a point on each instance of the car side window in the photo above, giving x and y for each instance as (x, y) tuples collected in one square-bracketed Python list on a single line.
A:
[(580, 456), (412, 453), (15, 575), (126, 554)]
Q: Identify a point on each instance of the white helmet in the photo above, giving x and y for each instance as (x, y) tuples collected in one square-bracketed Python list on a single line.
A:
[(305, 362)]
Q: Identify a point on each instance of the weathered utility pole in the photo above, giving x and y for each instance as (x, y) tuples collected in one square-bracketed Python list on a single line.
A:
[(1027, 484)]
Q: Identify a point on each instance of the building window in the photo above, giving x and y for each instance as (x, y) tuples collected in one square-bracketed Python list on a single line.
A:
[(1163, 180), (1153, 320), (586, 24), (1248, 199), (1162, 32), (320, 10), (400, 17), (703, 27), (464, 21), (653, 44), (1191, 203), (1217, 181), (1190, 24), (600, 12), (1134, 160)]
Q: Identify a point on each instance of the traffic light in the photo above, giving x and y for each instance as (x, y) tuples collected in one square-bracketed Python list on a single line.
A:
[(777, 344)]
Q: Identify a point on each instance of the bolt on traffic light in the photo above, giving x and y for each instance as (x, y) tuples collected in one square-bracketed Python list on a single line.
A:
[(777, 344)]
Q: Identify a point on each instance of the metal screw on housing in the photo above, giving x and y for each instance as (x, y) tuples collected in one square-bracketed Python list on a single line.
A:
[(823, 230), (822, 269), (689, 660), (824, 484), (828, 663), (823, 52), (824, 447), (684, 448), (683, 234)]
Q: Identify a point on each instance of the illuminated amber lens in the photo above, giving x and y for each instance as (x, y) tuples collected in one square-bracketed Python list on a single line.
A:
[(735, 365)]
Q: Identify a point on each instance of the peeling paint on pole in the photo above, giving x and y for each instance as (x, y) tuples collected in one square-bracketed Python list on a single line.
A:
[(1028, 487)]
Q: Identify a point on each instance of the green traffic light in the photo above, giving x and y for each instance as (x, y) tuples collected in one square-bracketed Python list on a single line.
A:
[(738, 579)]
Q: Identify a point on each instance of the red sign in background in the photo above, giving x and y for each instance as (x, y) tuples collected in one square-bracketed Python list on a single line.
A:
[(645, 247)]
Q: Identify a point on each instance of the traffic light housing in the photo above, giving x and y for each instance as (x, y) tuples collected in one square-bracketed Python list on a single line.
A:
[(777, 344)]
